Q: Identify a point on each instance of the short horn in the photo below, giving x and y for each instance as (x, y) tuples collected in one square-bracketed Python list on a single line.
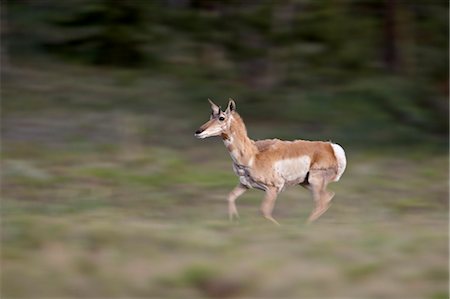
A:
[(214, 107)]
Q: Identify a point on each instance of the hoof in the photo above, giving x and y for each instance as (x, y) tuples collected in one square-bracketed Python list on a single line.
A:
[(232, 217), (273, 220), (317, 213)]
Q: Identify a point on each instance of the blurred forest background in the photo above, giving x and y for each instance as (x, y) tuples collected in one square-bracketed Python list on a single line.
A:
[(106, 193)]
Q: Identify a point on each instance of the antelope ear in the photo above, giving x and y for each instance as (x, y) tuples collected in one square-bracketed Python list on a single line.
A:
[(231, 106), (214, 107)]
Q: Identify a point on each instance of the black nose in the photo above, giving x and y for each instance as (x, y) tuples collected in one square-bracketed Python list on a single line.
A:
[(198, 131)]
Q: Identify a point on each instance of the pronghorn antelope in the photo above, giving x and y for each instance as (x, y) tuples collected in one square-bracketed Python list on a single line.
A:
[(272, 164)]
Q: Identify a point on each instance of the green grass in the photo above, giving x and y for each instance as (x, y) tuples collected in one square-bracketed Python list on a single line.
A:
[(157, 227)]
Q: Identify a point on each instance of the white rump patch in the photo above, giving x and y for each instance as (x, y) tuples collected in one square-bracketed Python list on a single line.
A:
[(294, 169), (341, 160)]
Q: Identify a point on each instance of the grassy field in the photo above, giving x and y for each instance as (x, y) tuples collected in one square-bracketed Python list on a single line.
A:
[(101, 202)]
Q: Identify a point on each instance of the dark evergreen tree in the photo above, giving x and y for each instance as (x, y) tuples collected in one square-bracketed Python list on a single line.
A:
[(105, 32)]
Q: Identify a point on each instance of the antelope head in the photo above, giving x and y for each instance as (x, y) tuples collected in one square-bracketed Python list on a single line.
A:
[(219, 121)]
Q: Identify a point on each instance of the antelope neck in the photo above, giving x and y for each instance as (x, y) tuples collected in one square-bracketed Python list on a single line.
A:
[(242, 149)]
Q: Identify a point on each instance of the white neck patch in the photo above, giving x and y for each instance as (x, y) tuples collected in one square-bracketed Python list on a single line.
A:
[(229, 140)]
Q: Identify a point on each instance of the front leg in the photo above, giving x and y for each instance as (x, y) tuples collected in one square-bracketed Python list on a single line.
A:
[(234, 194), (269, 203)]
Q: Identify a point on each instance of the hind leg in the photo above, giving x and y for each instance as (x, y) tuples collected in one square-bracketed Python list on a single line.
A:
[(321, 205), (318, 182)]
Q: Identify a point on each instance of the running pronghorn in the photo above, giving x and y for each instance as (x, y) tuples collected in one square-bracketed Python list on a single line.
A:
[(272, 164)]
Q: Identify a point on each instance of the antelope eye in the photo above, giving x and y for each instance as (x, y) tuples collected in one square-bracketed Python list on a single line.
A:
[(221, 118)]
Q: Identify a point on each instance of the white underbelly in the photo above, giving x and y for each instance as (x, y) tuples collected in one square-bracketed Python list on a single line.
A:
[(294, 170)]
